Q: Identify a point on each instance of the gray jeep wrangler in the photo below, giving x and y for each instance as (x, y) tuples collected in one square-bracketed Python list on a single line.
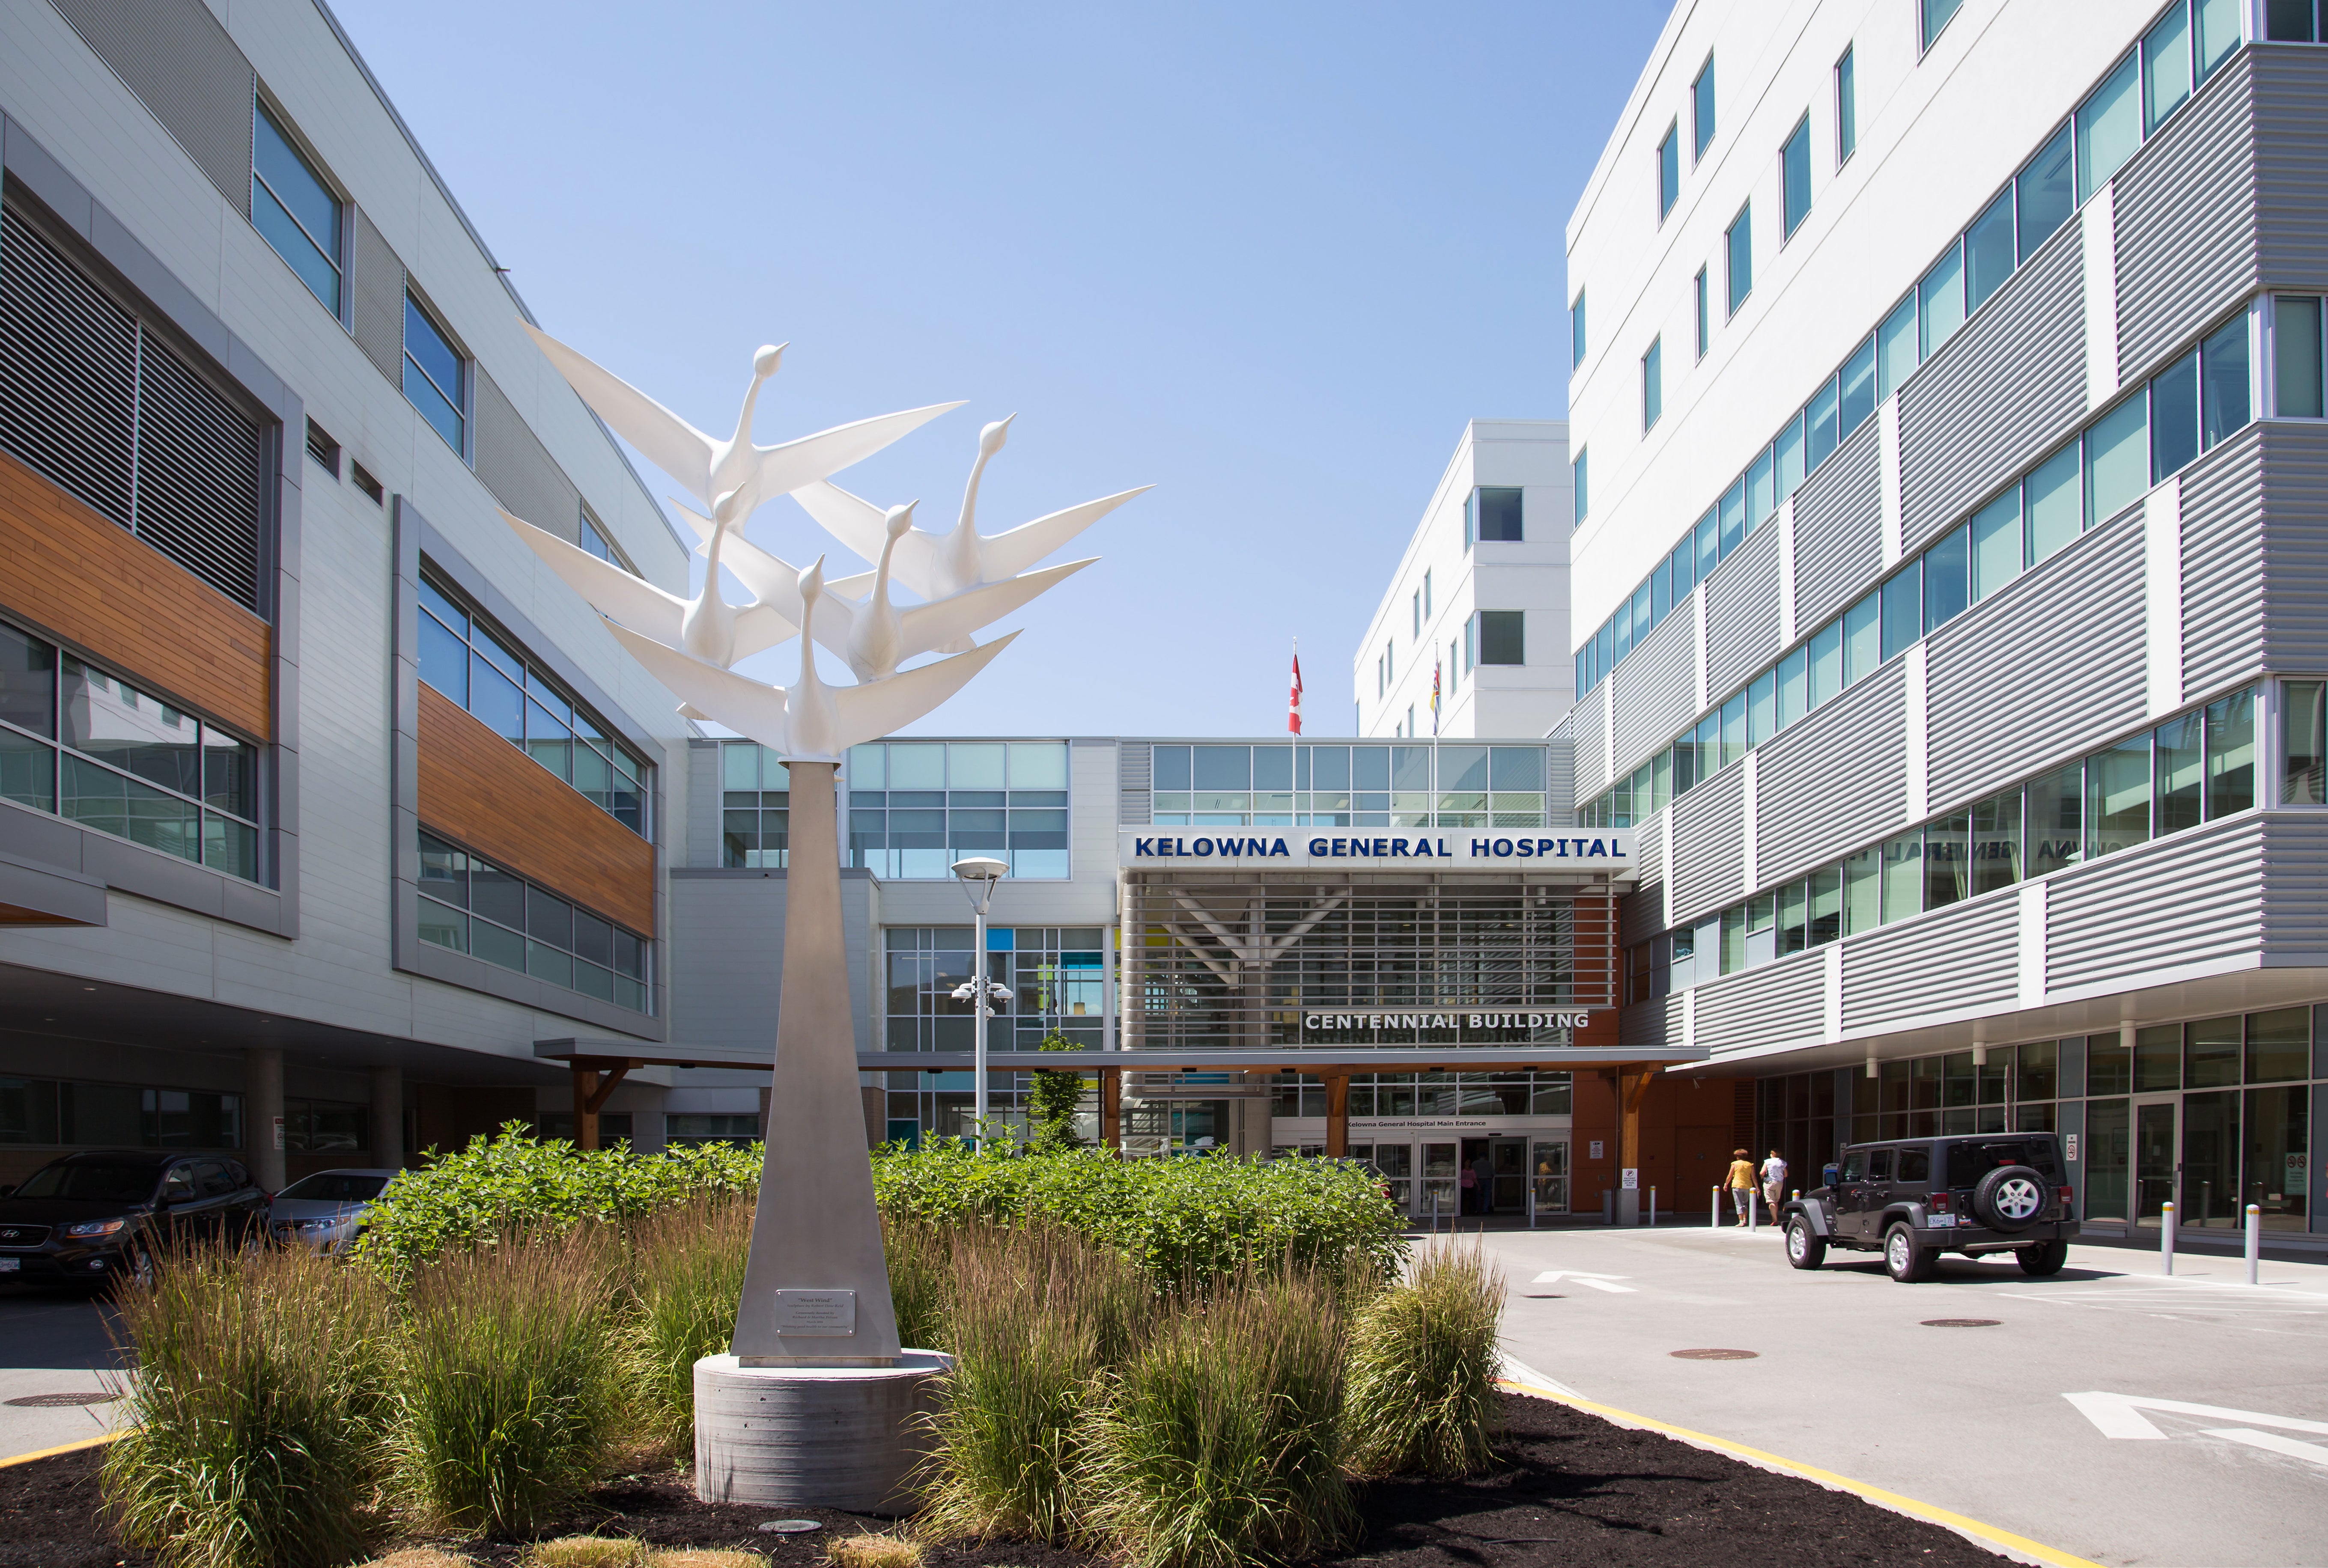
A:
[(1913, 1198)]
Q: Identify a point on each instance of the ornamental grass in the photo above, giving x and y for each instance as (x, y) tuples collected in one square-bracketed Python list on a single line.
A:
[(1422, 1397), (253, 1437), (687, 1275)]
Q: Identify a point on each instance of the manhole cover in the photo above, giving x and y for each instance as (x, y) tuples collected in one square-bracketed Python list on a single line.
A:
[(1715, 1354), (791, 1526), (1960, 1322), (1543, 1296), (57, 1401)]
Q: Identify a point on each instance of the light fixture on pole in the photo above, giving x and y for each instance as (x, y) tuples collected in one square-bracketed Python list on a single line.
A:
[(978, 874)]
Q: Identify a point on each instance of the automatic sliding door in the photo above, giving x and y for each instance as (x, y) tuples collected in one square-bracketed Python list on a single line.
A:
[(2156, 1156), (2210, 1160)]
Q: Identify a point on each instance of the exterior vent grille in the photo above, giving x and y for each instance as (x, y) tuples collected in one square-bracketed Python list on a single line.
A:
[(99, 404), (323, 449), (1134, 769)]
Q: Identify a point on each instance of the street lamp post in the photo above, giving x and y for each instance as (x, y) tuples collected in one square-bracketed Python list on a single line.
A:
[(978, 874)]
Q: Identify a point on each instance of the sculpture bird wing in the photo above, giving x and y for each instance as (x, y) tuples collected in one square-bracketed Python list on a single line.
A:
[(793, 464), (1006, 555), (669, 442), (775, 583), (737, 701), (868, 711), (931, 627), (863, 527), (761, 627), (608, 589)]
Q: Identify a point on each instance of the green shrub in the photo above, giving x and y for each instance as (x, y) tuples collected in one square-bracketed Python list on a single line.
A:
[(1038, 1312), (506, 1380), (1219, 1444), (687, 1274), (1422, 1396), (1180, 1219), (253, 1437), (515, 1182)]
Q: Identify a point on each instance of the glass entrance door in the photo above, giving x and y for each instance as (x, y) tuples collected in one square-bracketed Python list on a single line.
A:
[(1551, 1175), (2210, 1160), (1394, 1163), (1509, 1164), (2157, 1163), (1439, 1181)]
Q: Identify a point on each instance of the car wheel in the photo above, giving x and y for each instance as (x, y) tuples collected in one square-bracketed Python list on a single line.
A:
[(1903, 1260), (1806, 1249), (2042, 1258), (141, 1264), (2010, 1198)]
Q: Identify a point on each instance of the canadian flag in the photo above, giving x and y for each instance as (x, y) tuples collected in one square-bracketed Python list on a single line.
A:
[(1293, 704)]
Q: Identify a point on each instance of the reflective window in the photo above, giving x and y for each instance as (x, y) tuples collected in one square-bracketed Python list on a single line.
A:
[(2304, 762), (1738, 257), (1795, 176), (2165, 68), (1668, 171), (294, 210), (1846, 109), (1576, 332), (1653, 392), (2047, 193), (432, 375), (1501, 514), (2109, 129), (2296, 357), (1934, 15), (468, 905), (1988, 252), (1701, 109), (916, 807)]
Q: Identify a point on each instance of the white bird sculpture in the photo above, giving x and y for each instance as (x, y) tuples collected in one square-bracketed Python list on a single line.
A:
[(710, 469), (858, 619), (937, 566), (809, 722)]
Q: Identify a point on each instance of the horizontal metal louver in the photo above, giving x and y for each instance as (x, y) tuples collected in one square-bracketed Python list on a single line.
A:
[(1135, 767), (376, 301), (178, 59), (197, 476), (68, 373)]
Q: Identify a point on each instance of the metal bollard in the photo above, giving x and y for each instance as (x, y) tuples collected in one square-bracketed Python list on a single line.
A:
[(2166, 1238), (1714, 1215), (1434, 1211), (2254, 1243), (1531, 1192), (1753, 1210), (1653, 1208)]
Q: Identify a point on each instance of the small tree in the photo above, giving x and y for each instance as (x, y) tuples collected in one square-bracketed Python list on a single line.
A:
[(1053, 1099)]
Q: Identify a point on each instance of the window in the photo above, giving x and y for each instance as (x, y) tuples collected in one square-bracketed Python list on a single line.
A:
[(2304, 761), (1500, 513), (2290, 22), (694, 1130), (81, 743), (595, 540), (294, 210), (1846, 110), (477, 665), (2296, 357), (1417, 608), (1503, 636), (1988, 252), (2045, 192), (915, 808), (1584, 491), (1700, 110), (756, 807), (2110, 128), (469, 905), (1426, 595), (432, 375), (1795, 177), (44, 1110), (1576, 332), (323, 449), (1738, 256), (1668, 171), (1937, 15), (1653, 395), (2166, 74), (361, 478), (1698, 290)]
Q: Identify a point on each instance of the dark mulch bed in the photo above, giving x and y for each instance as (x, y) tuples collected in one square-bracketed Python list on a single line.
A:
[(1570, 1489)]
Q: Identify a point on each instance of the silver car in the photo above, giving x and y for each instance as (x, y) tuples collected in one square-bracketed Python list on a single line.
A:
[(325, 1212)]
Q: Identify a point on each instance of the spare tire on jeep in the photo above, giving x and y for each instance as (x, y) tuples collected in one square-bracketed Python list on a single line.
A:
[(2011, 1198)]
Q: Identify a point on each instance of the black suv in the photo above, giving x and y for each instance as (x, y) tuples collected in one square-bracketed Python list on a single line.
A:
[(1913, 1198), (103, 1214)]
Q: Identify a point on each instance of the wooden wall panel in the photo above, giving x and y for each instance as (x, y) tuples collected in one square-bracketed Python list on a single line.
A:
[(88, 580), (478, 788)]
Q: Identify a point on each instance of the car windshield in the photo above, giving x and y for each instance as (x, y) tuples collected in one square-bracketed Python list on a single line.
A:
[(1970, 1160), (334, 1186), (91, 1182)]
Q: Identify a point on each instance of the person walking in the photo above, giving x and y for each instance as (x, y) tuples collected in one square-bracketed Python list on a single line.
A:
[(1469, 1182), (1483, 1177), (1774, 1182), (1741, 1184)]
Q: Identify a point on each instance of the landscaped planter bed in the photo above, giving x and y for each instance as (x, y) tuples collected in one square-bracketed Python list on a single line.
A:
[(1568, 1489)]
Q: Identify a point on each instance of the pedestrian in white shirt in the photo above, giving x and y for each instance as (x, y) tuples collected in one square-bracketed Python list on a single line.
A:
[(1774, 1181)]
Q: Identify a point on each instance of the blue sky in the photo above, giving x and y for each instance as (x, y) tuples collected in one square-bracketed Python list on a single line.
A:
[(1268, 260)]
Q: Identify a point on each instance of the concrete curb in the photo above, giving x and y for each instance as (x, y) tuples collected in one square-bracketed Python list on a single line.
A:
[(49, 1453)]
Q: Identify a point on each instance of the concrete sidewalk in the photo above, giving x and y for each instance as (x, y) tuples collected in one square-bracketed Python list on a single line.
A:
[(54, 1345)]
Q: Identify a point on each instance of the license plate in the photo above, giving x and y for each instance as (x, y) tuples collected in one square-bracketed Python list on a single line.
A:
[(8, 1265)]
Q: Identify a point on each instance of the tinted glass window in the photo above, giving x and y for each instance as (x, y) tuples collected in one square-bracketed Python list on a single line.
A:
[(1915, 1165), (91, 1182), (1879, 1165), (334, 1186), (1968, 1161)]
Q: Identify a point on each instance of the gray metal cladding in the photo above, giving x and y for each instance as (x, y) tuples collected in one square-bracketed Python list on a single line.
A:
[(376, 300), (182, 66), (2295, 888), (1135, 763), (518, 468), (1641, 913), (1839, 528), (1653, 692), (1589, 732), (1952, 961), (1709, 828), (2183, 219), (2192, 899), (1560, 781), (1835, 780), (1776, 1004), (1652, 1023), (2053, 663), (1742, 612), (2222, 529), (2009, 385), (2291, 154), (2295, 547)]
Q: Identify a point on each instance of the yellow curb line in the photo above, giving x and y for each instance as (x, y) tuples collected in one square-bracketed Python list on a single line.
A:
[(1895, 1501), (49, 1453)]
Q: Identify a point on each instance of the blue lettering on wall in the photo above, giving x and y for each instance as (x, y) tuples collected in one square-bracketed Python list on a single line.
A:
[(1316, 847), (1599, 848), (1398, 849), (1503, 848), (1204, 846)]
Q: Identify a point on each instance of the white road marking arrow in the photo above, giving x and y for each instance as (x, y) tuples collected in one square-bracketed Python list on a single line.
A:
[(1596, 1281), (2119, 1415)]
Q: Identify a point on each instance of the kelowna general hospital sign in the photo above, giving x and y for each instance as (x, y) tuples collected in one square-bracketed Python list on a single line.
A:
[(1603, 850)]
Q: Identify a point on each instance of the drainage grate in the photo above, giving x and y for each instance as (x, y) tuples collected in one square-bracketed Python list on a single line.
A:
[(57, 1401), (1961, 1322), (1715, 1354)]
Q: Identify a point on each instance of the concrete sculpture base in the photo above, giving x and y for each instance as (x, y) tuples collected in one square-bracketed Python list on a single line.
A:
[(825, 1437)]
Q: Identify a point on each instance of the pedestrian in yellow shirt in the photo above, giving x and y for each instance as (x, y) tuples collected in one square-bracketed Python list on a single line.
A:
[(1741, 1184)]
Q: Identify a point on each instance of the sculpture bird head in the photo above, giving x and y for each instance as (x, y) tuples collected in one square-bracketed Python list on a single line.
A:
[(899, 521), (766, 358), (811, 582), (991, 437)]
